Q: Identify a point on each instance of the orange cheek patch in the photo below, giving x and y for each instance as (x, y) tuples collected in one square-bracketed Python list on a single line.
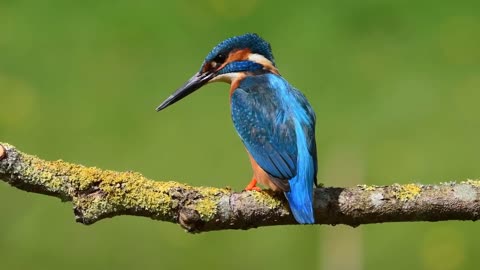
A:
[(237, 55)]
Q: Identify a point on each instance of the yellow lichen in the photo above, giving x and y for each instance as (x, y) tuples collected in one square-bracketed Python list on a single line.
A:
[(207, 208), (367, 188), (408, 192), (207, 205), (266, 198), (119, 189), (210, 191), (475, 183)]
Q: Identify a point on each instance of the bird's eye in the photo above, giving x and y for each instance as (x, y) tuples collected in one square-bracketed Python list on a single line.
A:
[(220, 58), (217, 60)]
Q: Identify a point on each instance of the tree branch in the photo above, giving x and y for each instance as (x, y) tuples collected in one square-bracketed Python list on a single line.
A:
[(97, 194)]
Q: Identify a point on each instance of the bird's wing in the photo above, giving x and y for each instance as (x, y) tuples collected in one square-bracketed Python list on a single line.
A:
[(268, 130), (308, 125)]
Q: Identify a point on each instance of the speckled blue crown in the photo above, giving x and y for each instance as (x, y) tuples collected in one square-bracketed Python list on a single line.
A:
[(251, 41)]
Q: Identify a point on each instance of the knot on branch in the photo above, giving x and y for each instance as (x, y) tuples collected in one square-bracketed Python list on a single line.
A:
[(190, 220)]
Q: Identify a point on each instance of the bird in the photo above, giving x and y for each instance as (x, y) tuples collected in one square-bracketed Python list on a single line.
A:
[(274, 120)]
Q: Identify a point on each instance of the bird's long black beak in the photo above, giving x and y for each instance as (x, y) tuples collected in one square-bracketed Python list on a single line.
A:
[(198, 80)]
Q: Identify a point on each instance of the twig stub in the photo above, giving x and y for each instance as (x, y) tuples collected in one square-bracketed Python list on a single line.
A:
[(3, 152)]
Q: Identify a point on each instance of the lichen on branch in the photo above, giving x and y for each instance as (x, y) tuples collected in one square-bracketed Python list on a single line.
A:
[(98, 194)]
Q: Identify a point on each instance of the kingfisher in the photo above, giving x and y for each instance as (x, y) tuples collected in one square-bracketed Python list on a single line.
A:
[(273, 119)]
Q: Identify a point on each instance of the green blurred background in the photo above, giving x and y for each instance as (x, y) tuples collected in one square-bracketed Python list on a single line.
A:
[(395, 85)]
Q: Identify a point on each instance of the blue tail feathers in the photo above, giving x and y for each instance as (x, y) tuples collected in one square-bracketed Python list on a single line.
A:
[(300, 196), (300, 199)]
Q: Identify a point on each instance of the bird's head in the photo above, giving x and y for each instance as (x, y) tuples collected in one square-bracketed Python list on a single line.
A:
[(228, 61)]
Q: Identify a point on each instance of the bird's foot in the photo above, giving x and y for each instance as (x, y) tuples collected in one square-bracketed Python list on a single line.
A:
[(252, 186)]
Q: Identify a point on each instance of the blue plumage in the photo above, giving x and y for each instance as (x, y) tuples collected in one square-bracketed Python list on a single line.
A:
[(247, 41), (274, 120), (240, 65), (277, 126)]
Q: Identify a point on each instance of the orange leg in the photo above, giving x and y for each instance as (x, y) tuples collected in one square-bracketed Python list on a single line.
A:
[(253, 185)]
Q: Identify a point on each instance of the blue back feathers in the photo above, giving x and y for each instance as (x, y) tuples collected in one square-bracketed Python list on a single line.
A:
[(251, 41), (277, 126)]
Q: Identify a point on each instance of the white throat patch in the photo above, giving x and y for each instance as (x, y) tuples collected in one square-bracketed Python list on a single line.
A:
[(227, 77), (258, 58)]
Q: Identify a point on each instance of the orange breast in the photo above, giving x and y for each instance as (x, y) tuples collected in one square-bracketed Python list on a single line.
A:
[(261, 176), (234, 84)]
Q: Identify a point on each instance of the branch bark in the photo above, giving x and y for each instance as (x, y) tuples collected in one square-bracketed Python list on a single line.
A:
[(97, 194)]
